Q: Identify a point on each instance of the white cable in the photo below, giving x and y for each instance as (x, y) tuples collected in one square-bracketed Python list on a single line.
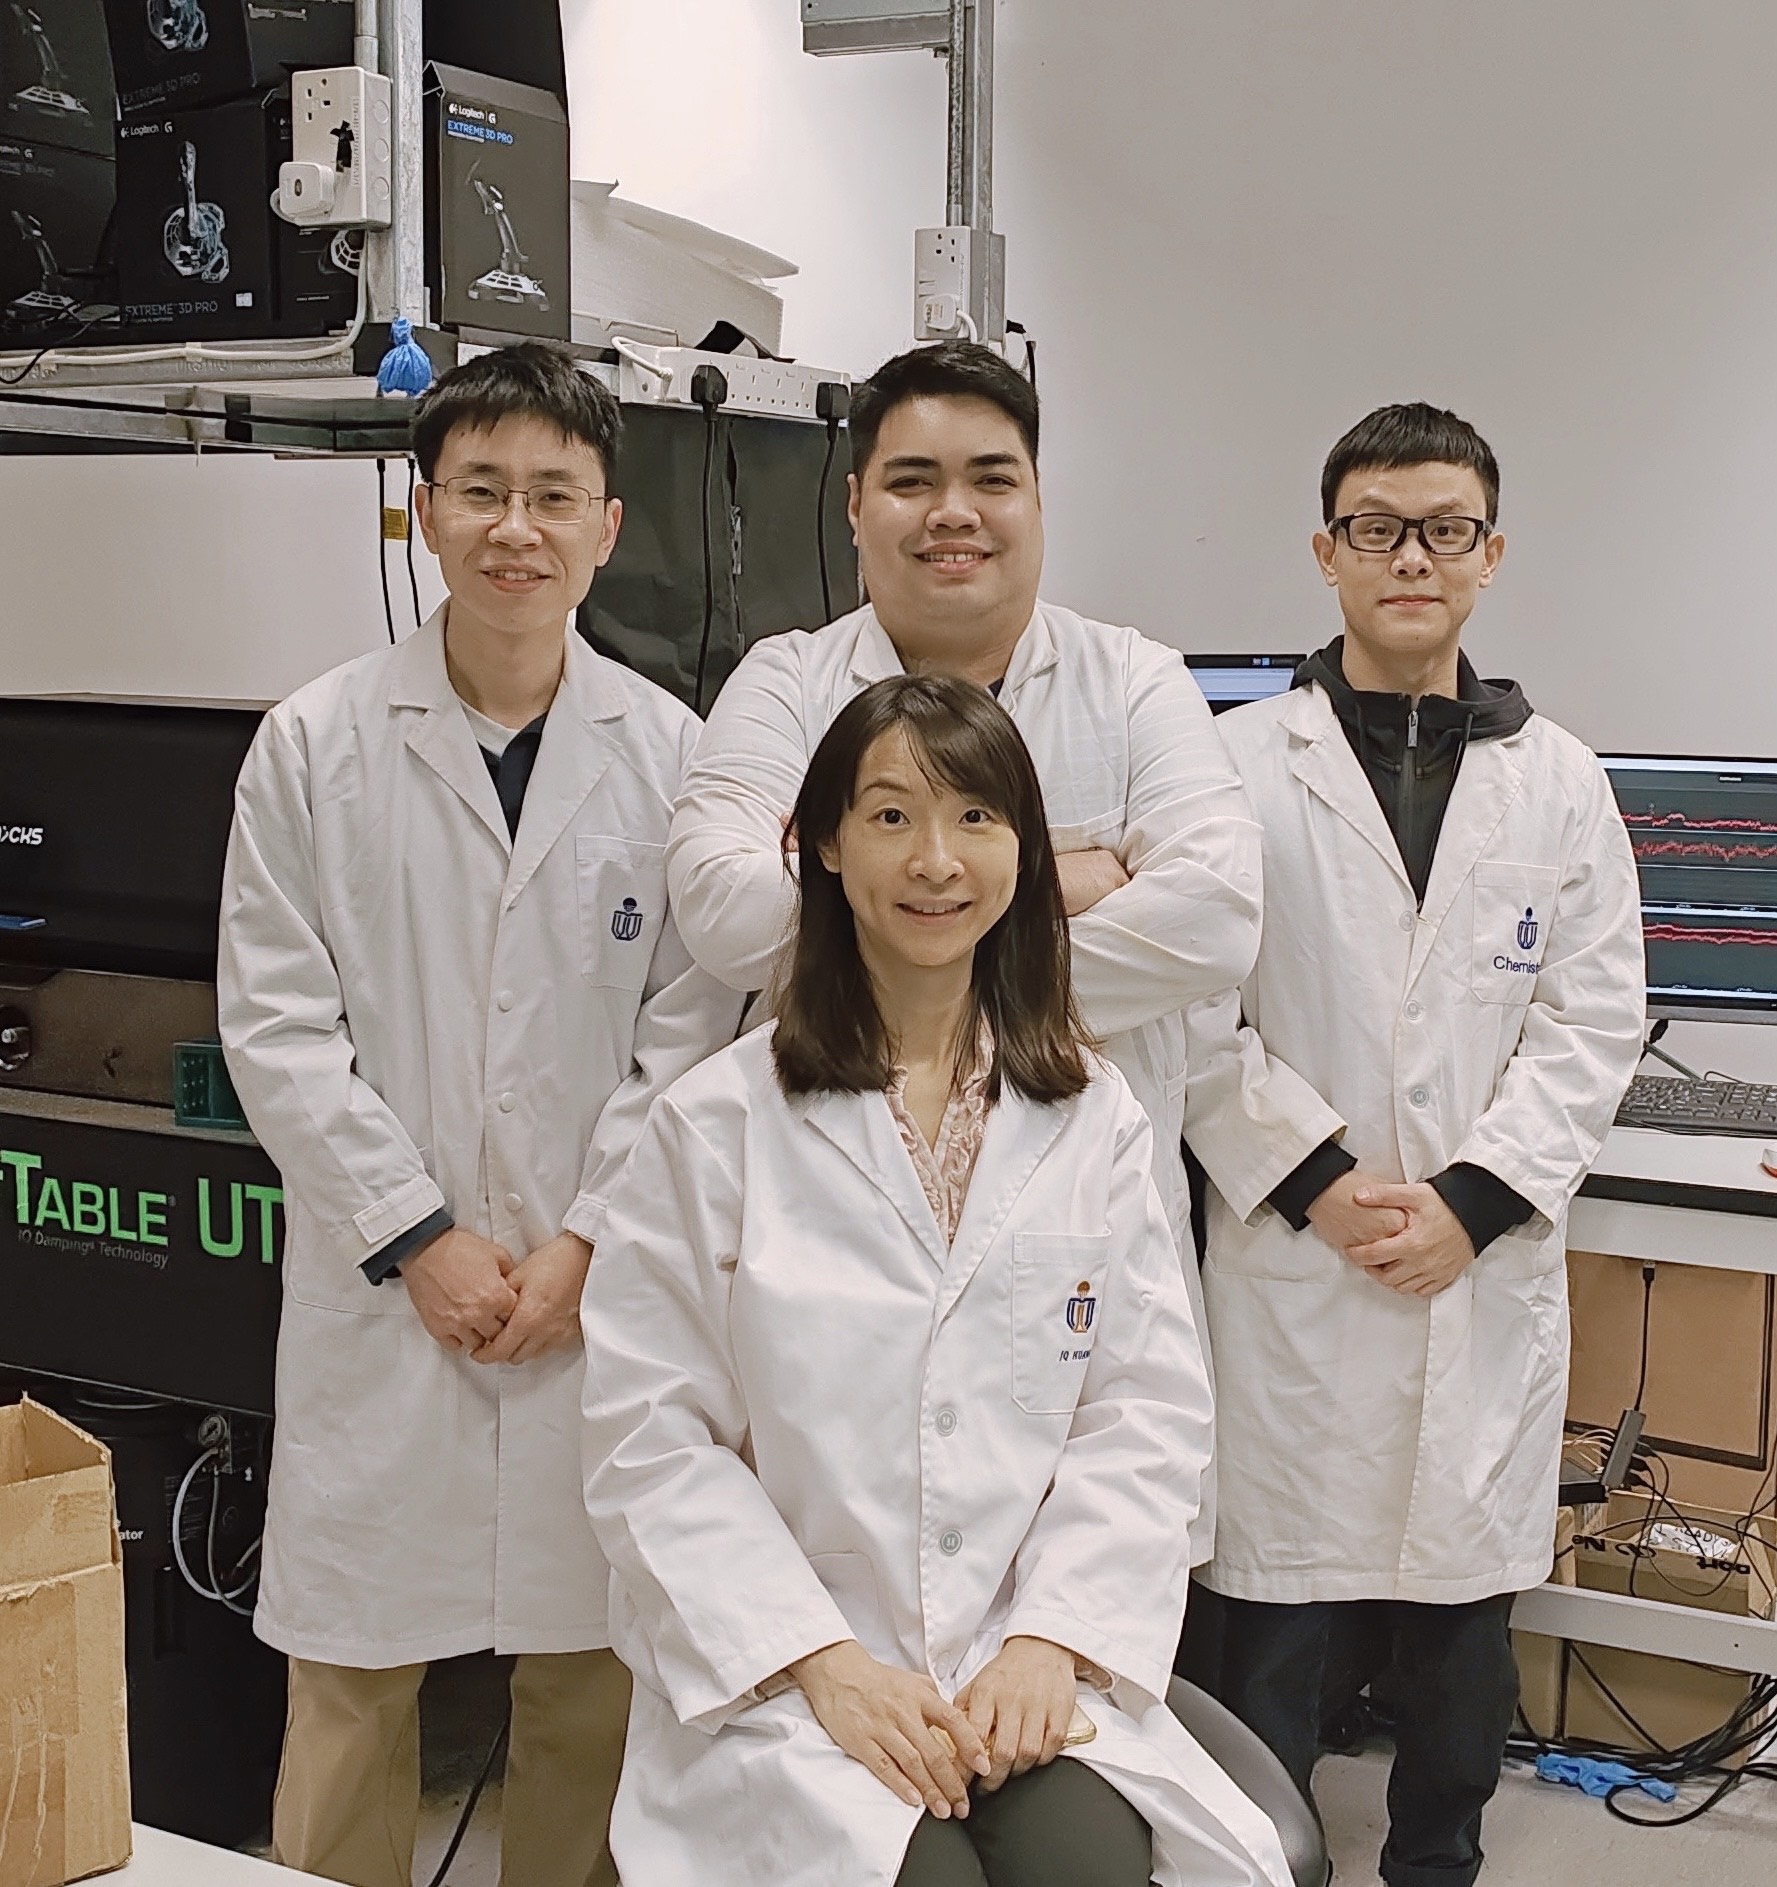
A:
[(637, 358), (196, 352), (972, 333), (213, 1593), (191, 1474)]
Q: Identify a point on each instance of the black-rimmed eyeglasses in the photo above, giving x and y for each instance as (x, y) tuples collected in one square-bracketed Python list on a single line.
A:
[(1382, 531)]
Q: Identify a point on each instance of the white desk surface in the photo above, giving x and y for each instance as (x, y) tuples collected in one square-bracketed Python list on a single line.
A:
[(1714, 1160), (163, 1860)]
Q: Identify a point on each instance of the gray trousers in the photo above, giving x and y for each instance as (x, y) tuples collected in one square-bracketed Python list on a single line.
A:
[(1057, 1826)]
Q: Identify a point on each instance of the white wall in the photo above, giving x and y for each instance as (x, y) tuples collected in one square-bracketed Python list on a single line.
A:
[(1223, 223), (710, 109), (227, 576)]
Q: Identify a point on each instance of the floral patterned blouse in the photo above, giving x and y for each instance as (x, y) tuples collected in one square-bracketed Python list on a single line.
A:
[(946, 1166)]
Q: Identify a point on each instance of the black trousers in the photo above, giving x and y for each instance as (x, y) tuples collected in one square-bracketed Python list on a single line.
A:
[(1057, 1826), (1452, 1683)]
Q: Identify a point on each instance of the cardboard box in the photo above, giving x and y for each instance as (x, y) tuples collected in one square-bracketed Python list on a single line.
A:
[(179, 54), (1711, 1391), (497, 210), (1691, 1558), (65, 1812), (55, 75), (201, 254), (57, 205)]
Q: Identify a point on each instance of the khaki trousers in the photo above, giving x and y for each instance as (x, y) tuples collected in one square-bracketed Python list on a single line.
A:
[(348, 1799)]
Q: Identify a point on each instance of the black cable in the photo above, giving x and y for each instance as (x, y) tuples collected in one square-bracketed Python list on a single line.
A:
[(382, 553), (468, 1814), (1030, 351), (24, 373), (832, 402), (820, 520), (709, 388), (1647, 1312), (413, 582)]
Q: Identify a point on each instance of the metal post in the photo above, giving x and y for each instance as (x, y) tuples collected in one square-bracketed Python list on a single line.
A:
[(970, 179), (395, 258)]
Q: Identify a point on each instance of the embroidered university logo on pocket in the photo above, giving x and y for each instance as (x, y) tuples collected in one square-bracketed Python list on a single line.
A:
[(626, 922), (1527, 930), (1081, 1308)]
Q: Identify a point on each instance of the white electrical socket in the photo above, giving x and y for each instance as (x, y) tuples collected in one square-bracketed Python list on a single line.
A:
[(341, 169), (941, 264)]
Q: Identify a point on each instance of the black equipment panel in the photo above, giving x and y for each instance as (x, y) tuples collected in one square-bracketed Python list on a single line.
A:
[(143, 1260)]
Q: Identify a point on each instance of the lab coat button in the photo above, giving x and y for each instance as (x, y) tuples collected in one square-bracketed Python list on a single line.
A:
[(946, 1422), (508, 1102), (505, 999), (950, 1542), (1406, 920), (514, 1202), (1414, 1012), (1419, 1097)]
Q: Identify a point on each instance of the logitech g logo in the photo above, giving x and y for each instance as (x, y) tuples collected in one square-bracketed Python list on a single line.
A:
[(1527, 929), (21, 835)]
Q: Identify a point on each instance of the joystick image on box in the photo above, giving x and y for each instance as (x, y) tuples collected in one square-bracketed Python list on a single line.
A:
[(507, 280), (55, 74)]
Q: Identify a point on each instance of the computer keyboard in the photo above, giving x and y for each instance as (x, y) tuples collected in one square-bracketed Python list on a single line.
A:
[(1675, 1105)]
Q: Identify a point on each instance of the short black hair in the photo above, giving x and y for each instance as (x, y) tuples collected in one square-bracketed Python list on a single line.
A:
[(953, 370), (533, 379), (1413, 434)]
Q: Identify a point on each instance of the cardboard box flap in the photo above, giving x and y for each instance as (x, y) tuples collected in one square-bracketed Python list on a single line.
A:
[(57, 1514)]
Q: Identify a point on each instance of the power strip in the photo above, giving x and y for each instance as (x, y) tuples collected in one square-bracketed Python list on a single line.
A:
[(661, 376)]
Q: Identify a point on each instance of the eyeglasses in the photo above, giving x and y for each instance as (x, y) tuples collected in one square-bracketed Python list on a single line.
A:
[(1382, 531), (474, 496)]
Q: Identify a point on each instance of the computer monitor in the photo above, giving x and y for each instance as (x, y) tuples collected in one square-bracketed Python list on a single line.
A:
[(1228, 681), (1705, 839), (114, 820)]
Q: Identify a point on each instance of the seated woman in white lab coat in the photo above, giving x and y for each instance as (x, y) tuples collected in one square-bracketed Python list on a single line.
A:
[(896, 1413)]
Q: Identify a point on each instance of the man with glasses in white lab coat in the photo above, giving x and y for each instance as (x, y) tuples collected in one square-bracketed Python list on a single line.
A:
[(450, 988)]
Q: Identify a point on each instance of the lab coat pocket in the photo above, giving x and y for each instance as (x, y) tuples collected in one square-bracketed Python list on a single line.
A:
[(1532, 1251), (317, 1274), (1057, 1282), (1514, 906), (621, 884)]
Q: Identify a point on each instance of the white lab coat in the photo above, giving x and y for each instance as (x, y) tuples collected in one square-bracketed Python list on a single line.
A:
[(808, 1420), (420, 1012), (1376, 1446), (1127, 754)]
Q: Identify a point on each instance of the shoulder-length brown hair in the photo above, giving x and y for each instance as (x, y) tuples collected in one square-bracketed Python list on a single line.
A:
[(830, 1033)]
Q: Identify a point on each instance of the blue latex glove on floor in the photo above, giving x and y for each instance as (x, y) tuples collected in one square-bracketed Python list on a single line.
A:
[(1600, 1778)]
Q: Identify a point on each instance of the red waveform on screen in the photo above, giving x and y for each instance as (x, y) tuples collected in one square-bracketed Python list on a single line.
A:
[(1676, 821), (1717, 851), (1699, 934)]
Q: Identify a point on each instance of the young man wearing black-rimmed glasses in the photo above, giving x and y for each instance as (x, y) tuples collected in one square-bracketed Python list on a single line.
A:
[(1394, 1110)]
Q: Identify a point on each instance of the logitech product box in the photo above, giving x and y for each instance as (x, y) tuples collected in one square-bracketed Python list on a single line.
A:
[(179, 54), (201, 254), (55, 75), (497, 208), (54, 208)]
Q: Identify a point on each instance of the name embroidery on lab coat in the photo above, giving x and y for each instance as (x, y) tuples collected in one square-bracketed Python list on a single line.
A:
[(626, 921)]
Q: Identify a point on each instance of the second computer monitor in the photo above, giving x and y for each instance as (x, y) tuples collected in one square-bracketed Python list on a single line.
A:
[(1704, 832), (1229, 681)]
